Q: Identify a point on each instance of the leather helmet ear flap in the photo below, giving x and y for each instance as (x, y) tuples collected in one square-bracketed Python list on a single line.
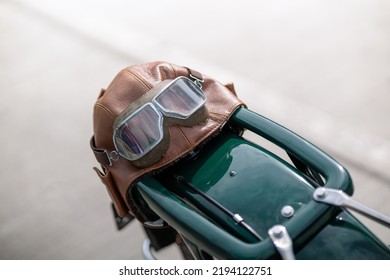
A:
[(127, 87)]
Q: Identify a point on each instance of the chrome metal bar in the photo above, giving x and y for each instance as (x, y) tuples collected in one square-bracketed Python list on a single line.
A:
[(147, 250), (339, 198), (282, 241)]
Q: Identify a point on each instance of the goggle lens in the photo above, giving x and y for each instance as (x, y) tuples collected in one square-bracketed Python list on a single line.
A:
[(140, 132), (181, 99)]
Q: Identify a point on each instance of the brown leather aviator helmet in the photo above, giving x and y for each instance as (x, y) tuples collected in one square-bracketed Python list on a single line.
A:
[(118, 173)]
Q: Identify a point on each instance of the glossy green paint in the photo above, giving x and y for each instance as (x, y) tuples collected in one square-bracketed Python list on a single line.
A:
[(257, 192), (254, 183), (344, 238)]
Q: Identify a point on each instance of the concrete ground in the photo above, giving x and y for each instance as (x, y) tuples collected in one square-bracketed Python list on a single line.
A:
[(320, 68)]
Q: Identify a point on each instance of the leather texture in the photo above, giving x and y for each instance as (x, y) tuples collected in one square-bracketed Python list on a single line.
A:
[(131, 83)]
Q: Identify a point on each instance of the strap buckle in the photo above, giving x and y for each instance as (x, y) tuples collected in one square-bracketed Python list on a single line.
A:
[(102, 155), (196, 77), (112, 156)]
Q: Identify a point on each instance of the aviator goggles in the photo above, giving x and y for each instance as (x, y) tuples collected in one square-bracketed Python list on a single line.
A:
[(141, 132)]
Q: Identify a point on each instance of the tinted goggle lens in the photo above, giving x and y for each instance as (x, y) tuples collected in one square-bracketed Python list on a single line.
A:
[(140, 132), (181, 99)]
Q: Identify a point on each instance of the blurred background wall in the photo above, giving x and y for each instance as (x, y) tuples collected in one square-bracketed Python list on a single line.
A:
[(320, 68)]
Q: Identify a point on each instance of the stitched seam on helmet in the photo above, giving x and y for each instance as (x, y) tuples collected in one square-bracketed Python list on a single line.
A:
[(185, 137), (229, 111), (218, 114), (174, 70), (139, 79), (101, 106), (215, 118), (163, 76)]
